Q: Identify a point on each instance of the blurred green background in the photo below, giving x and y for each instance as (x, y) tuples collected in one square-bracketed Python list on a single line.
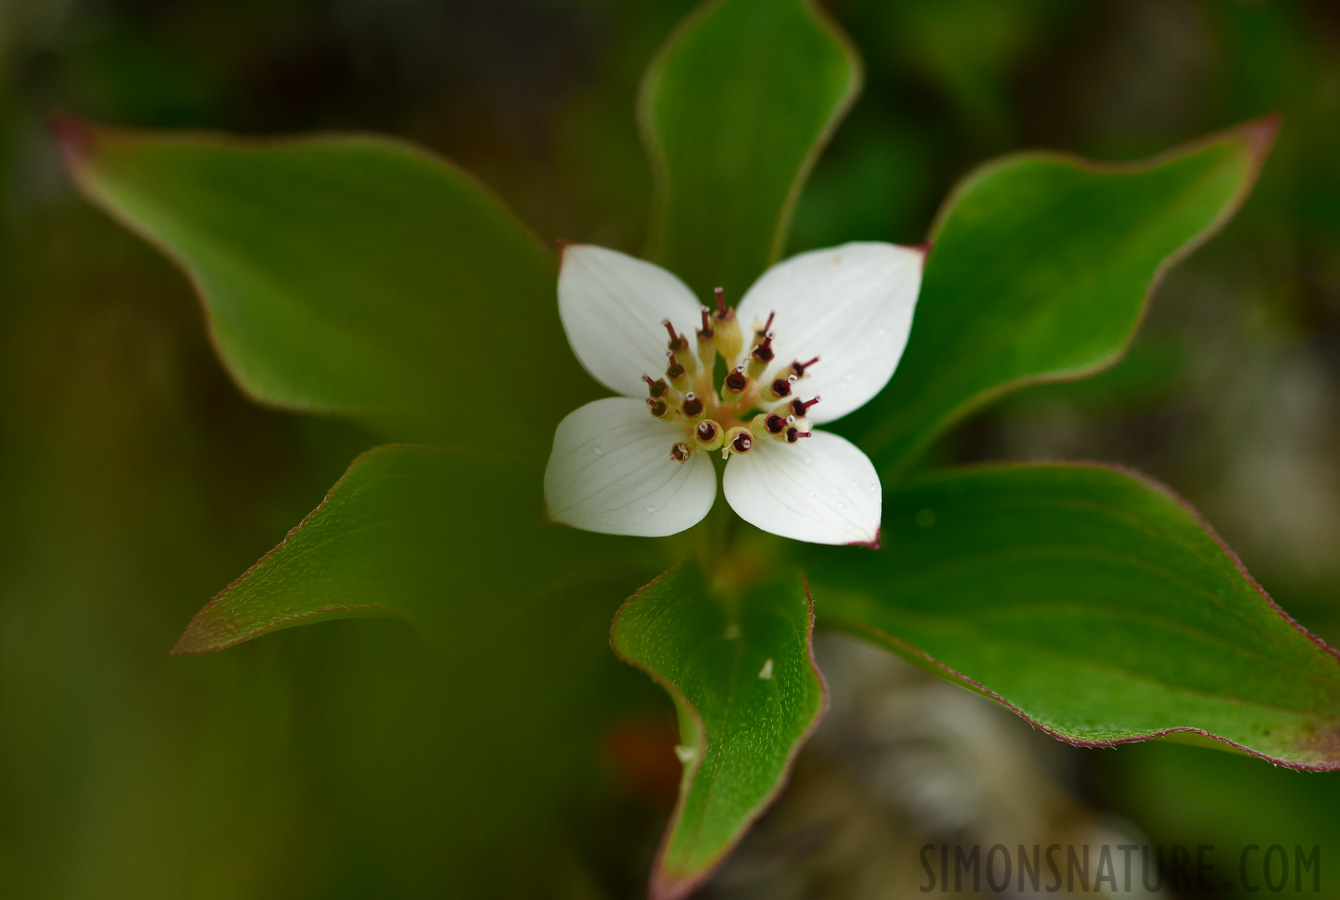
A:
[(135, 481)]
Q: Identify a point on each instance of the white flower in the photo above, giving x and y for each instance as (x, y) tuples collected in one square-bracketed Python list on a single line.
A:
[(828, 324)]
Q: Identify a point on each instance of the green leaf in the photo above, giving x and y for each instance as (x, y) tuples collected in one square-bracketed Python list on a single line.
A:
[(1040, 269), (416, 532), (496, 714), (367, 550), (1093, 603), (739, 667), (734, 110), (347, 275)]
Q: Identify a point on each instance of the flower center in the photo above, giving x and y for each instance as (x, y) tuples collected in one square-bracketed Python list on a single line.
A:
[(733, 412)]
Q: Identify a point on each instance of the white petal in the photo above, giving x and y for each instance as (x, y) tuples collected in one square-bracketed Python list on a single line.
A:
[(611, 471), (821, 489), (612, 306), (851, 306)]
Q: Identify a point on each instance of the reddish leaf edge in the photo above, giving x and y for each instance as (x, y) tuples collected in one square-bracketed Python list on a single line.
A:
[(185, 646), (663, 885), (878, 636), (78, 140), (1257, 136), (660, 173)]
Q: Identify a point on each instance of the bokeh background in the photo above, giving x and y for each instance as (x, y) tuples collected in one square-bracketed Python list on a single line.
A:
[(135, 481)]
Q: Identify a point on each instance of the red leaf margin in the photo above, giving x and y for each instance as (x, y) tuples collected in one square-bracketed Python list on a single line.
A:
[(1325, 746), (1258, 138)]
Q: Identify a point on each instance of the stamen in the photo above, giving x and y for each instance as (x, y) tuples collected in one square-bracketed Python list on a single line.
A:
[(781, 387), (793, 435), (736, 381), (729, 339), (656, 388), (759, 333), (693, 407), (677, 341), (799, 367), (658, 407), (763, 352), (724, 313), (799, 407), (674, 371), (708, 435), (707, 340), (706, 333), (775, 424), (680, 452), (743, 442)]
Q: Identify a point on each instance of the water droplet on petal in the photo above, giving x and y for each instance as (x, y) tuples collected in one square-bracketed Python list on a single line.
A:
[(872, 486), (840, 504), (651, 509), (597, 451)]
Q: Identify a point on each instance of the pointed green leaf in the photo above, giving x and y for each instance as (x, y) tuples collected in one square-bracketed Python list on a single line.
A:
[(1093, 603), (408, 531), (348, 275), (1040, 269), (513, 681), (739, 667), (734, 111)]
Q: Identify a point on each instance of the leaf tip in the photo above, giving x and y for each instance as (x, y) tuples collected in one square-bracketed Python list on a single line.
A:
[(673, 887), (1259, 135), (74, 136), (205, 635)]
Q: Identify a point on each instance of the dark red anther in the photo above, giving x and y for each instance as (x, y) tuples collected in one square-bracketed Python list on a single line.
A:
[(799, 367), (775, 424), (675, 371), (799, 406), (724, 313), (737, 381), (793, 435), (693, 407), (656, 388), (658, 407), (707, 431), (677, 341), (781, 387), (707, 332), (767, 326), (743, 443), (763, 352)]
